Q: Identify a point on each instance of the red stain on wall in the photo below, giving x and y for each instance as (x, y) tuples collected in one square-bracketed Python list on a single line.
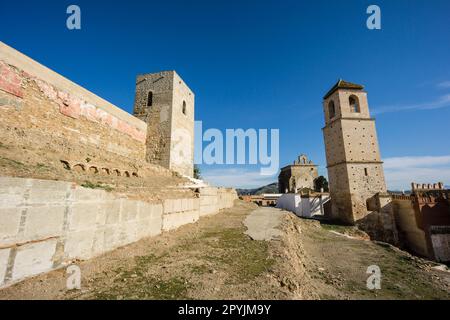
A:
[(10, 81), (69, 105)]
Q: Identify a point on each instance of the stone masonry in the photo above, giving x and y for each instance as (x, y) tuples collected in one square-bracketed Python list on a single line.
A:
[(53, 129), (48, 224), (301, 174), (166, 104), (355, 169)]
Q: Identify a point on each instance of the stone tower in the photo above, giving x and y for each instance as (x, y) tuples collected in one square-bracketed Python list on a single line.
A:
[(355, 169), (166, 104)]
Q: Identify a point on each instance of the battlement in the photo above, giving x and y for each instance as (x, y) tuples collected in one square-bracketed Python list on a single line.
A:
[(427, 186)]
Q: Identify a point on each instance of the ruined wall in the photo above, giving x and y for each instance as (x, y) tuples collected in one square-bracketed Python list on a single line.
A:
[(440, 242), (298, 177), (47, 224), (41, 110), (405, 218), (432, 213)]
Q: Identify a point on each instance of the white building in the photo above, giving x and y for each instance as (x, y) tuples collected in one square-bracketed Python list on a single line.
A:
[(305, 206)]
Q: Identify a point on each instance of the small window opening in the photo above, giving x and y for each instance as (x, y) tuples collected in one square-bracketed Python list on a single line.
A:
[(354, 105), (150, 99), (331, 110)]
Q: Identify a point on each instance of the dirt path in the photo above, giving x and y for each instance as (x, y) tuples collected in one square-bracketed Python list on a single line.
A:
[(263, 223), (216, 259)]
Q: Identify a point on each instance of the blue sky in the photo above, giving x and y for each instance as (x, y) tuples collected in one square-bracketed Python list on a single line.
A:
[(264, 64)]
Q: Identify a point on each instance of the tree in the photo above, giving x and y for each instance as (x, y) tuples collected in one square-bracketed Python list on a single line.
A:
[(319, 183), (197, 173)]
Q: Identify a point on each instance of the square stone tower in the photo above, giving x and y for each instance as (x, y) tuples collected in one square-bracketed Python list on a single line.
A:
[(355, 169), (166, 104)]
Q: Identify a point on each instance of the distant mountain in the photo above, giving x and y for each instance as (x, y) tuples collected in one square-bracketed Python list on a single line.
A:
[(398, 192), (270, 188)]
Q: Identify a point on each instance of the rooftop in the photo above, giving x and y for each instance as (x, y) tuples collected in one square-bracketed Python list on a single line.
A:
[(342, 84)]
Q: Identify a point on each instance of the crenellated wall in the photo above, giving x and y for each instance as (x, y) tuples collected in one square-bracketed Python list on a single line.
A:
[(423, 220), (47, 224)]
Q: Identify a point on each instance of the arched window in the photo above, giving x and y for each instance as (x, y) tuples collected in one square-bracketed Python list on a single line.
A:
[(149, 99), (184, 107), (354, 104), (331, 109)]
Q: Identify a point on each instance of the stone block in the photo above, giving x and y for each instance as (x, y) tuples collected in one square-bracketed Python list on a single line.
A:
[(168, 205), (9, 222), (12, 191), (10, 198), (46, 191), (78, 244), (87, 194), (14, 183), (196, 204), (44, 222), (174, 220), (208, 210), (131, 231), (129, 210), (111, 238), (144, 210), (34, 258), (4, 257), (98, 245), (156, 221), (83, 216), (150, 227), (209, 191), (101, 214), (177, 205), (157, 210), (112, 212), (184, 204)]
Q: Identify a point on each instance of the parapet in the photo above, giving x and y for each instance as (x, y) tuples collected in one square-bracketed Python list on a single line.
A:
[(427, 186)]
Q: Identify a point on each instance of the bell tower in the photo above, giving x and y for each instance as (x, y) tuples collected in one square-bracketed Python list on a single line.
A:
[(355, 169)]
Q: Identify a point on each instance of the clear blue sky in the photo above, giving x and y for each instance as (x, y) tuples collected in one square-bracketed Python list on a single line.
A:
[(264, 64)]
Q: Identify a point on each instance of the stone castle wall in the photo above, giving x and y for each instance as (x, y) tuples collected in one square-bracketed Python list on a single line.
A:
[(42, 108), (405, 218), (48, 224)]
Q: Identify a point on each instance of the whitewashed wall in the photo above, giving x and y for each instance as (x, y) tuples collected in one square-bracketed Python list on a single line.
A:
[(305, 207)]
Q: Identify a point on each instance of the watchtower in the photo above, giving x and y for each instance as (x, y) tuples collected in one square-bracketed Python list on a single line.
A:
[(166, 104)]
